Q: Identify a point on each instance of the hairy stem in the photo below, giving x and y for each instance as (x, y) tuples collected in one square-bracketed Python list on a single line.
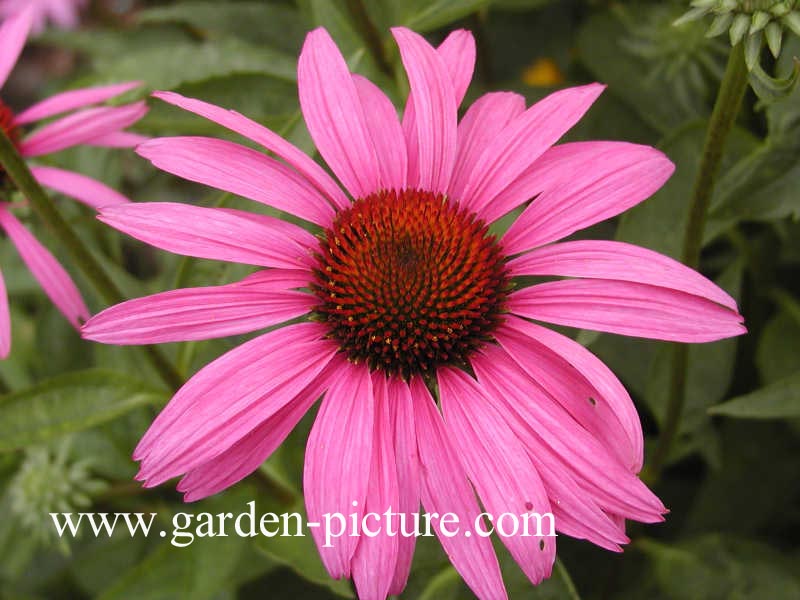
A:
[(18, 171), (726, 108)]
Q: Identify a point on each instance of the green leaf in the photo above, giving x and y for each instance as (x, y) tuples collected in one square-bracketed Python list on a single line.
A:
[(519, 4), (446, 585), (716, 567), (275, 25), (268, 100), (203, 569), (778, 352), (166, 66), (776, 401), (653, 223), (335, 17), (426, 15), (104, 45), (69, 403), (97, 563), (711, 368), (601, 43), (763, 184), (301, 555)]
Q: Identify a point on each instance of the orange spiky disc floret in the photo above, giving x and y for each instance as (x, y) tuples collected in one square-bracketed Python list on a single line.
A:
[(8, 127), (7, 122), (408, 281)]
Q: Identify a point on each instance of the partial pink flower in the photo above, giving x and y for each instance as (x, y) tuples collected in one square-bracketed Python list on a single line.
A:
[(406, 293), (98, 126), (61, 13)]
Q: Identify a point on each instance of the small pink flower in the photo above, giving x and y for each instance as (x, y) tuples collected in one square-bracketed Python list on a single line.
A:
[(99, 126), (63, 13), (405, 291)]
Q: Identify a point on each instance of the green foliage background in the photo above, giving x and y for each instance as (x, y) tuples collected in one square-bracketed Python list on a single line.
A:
[(78, 409)]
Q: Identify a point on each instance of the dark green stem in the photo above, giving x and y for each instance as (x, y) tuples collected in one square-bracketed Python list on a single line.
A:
[(572, 591), (726, 108), (18, 171)]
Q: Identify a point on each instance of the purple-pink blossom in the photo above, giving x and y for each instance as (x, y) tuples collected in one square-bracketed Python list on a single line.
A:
[(437, 386), (62, 13), (85, 124)]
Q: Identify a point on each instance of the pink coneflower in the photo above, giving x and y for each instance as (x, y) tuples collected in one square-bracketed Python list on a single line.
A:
[(405, 291), (62, 13), (99, 126)]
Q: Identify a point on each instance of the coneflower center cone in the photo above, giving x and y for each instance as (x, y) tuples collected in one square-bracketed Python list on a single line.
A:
[(408, 281), (7, 122), (8, 127)]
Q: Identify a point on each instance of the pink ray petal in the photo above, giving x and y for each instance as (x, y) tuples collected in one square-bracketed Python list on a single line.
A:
[(334, 115), (524, 140), (278, 279), (567, 445), (55, 281), (580, 382), (407, 457), (445, 489), (385, 132), (248, 128), (582, 184), (81, 128), (5, 320), (196, 314), (13, 33), (435, 116), (91, 192), (576, 512), (336, 476), (458, 53), (218, 234), (246, 455), (577, 165), (72, 99), (375, 558), (230, 397), (482, 123), (499, 468), (628, 308), (597, 259), (557, 166), (239, 170), (119, 139)]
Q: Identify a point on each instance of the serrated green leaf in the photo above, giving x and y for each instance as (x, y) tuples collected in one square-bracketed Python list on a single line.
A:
[(68, 403)]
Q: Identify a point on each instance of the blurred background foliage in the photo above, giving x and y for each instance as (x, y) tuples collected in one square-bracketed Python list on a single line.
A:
[(71, 412)]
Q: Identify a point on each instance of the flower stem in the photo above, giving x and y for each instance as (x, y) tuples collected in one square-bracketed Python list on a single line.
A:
[(18, 171), (572, 591), (726, 108)]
